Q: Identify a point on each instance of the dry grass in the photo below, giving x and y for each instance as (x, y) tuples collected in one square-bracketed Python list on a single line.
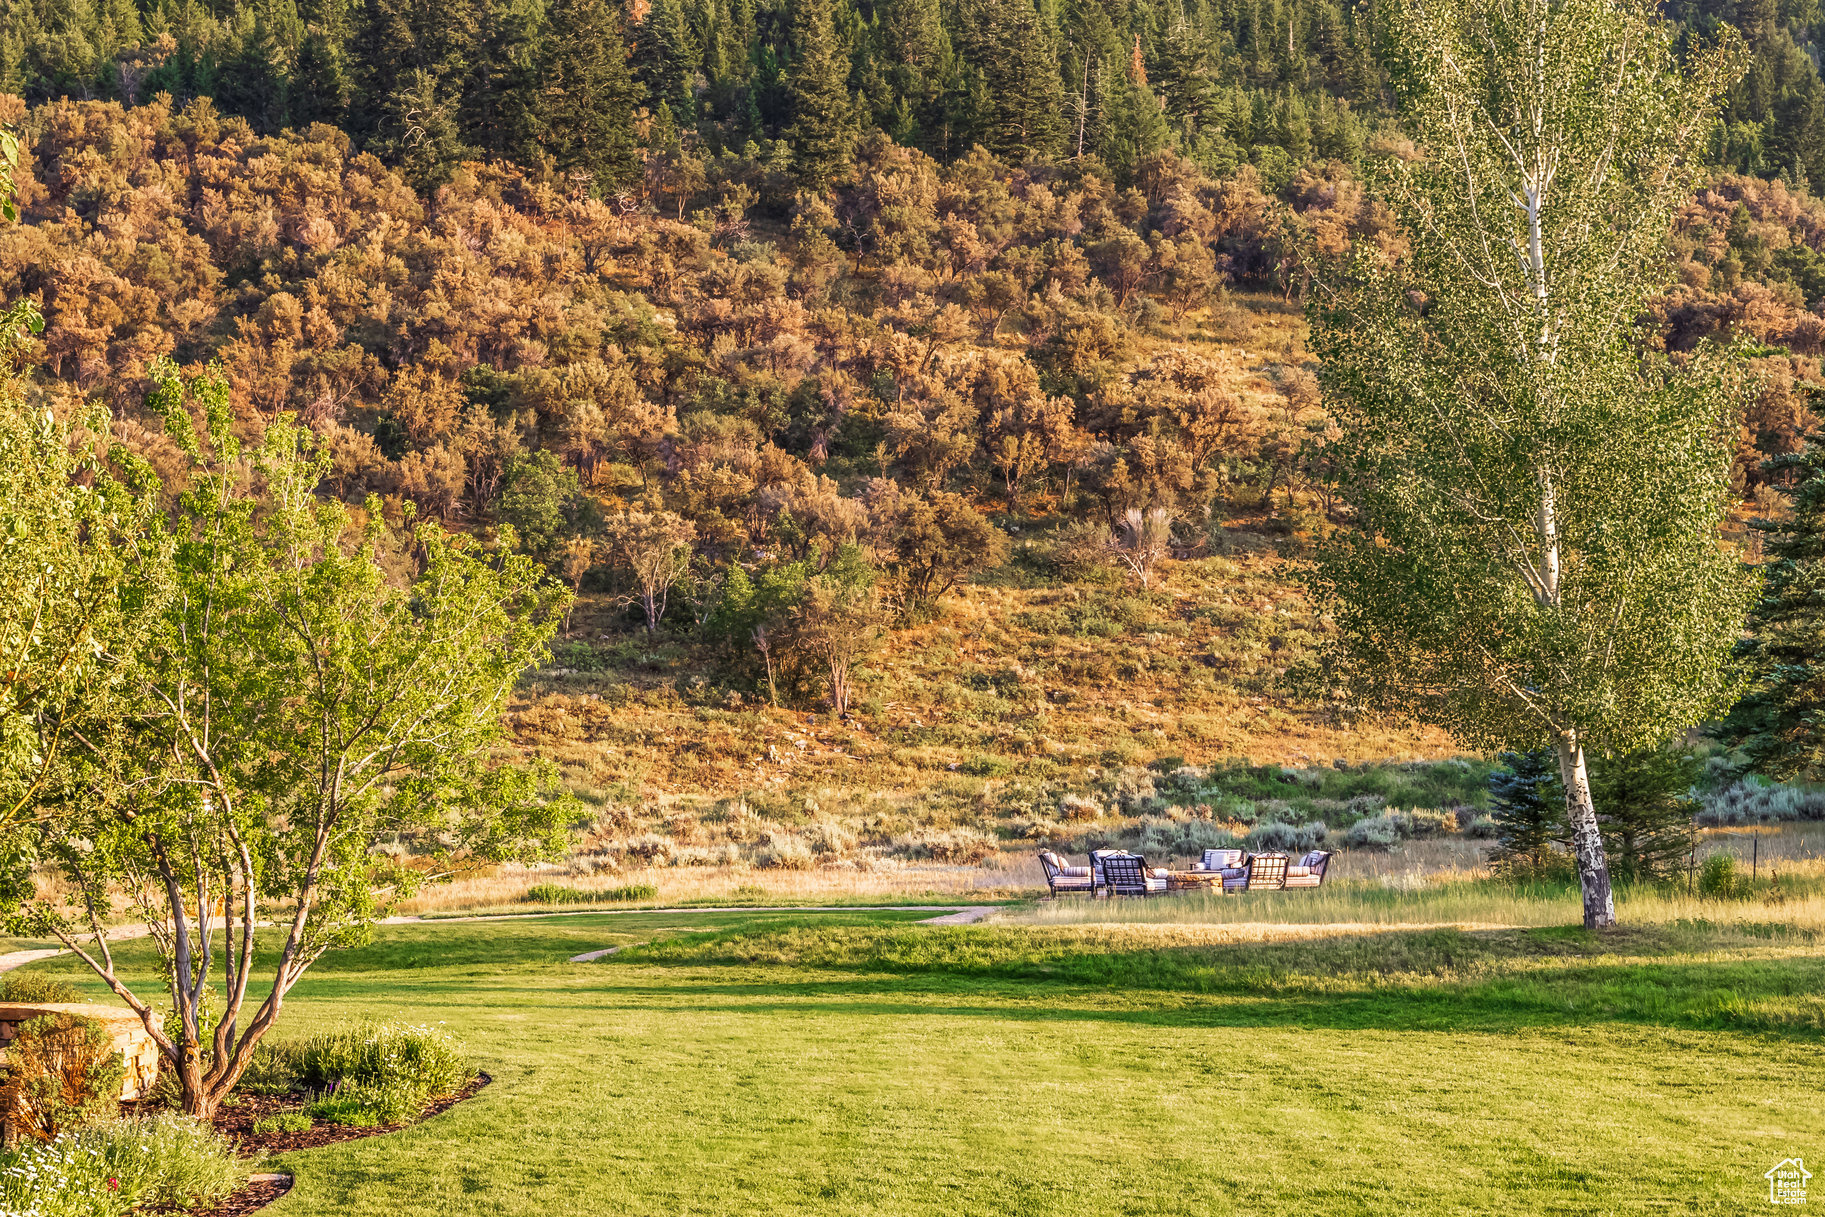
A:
[(1004, 877)]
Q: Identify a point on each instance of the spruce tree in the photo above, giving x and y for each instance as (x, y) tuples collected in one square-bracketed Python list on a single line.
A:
[(664, 59), (1528, 807), (1025, 94), (1645, 811), (584, 119), (822, 131), (1780, 725)]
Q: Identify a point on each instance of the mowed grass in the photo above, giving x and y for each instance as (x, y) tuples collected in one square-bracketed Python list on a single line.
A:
[(855, 1063)]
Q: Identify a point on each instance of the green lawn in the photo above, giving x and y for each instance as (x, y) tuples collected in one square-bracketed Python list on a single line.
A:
[(852, 1063)]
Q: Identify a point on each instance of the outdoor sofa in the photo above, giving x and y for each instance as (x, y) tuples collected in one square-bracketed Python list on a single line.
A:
[(1066, 880), (1309, 870), (1129, 875)]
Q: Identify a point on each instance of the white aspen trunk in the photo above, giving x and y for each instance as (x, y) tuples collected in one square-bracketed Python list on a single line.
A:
[(1580, 811), (1587, 840)]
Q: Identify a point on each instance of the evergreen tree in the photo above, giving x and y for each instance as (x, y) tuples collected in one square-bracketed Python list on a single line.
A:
[(664, 59), (499, 112), (321, 74), (1645, 812), (1023, 89), (1528, 806), (1780, 725), (822, 132), (585, 112)]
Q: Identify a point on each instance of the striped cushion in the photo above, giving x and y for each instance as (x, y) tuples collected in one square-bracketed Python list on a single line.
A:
[(1074, 872), (1302, 881), (1295, 871)]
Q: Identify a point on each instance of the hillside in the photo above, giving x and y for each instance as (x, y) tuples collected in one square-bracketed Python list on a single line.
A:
[(920, 425)]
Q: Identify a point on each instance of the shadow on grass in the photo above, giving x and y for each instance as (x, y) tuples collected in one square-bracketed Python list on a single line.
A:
[(1692, 977)]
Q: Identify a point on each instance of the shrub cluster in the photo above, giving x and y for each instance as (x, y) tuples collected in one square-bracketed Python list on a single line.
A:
[(1751, 801), (159, 1162), (38, 989), (368, 1075), (556, 893), (62, 1072)]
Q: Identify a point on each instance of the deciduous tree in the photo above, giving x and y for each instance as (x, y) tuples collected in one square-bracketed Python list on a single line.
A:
[(1538, 494), (293, 701)]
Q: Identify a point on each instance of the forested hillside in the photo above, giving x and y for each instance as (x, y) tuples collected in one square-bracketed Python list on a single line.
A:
[(806, 346), (790, 87)]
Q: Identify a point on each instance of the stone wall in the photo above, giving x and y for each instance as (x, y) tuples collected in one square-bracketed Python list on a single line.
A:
[(137, 1050)]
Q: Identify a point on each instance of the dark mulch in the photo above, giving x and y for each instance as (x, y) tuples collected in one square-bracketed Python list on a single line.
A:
[(236, 1123), (251, 1198)]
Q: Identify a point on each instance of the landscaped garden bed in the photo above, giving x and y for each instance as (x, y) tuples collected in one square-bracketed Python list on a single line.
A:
[(86, 1154), (250, 1122)]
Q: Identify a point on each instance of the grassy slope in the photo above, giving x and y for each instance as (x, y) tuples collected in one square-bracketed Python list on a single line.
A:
[(847, 1063)]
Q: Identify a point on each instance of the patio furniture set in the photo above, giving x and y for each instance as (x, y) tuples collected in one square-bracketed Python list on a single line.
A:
[(1115, 872)]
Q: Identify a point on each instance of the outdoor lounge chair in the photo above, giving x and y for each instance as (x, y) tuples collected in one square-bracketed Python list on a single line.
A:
[(1222, 859), (1066, 880), (1266, 872), (1128, 876), (1235, 878), (1097, 857), (1309, 870)]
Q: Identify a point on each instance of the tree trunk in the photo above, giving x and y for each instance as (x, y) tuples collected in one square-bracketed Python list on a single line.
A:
[(1587, 840), (196, 1098)]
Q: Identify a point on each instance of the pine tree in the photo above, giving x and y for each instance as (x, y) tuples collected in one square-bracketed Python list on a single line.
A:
[(1645, 811), (585, 111), (502, 91), (1025, 94), (822, 132), (1528, 806), (1780, 725), (664, 59)]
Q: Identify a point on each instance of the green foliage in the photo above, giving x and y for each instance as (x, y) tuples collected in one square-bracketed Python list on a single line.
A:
[(1527, 804), (150, 1163), (273, 1070), (388, 1069), (586, 99), (69, 529), (1721, 878), (62, 1073), (1494, 540), (293, 701), (817, 94), (555, 893), (284, 1121), (540, 499), (364, 1104), (1644, 804), (1780, 723), (1645, 808), (36, 988)]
